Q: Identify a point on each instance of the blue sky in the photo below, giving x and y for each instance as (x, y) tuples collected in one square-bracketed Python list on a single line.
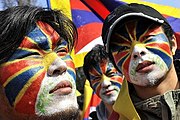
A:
[(42, 3)]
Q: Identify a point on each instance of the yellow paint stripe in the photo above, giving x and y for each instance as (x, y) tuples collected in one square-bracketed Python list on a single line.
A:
[(31, 40), (167, 10), (22, 92), (17, 73), (49, 58)]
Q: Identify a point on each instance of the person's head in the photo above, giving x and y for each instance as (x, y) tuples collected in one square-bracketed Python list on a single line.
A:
[(104, 79), (37, 74), (140, 42)]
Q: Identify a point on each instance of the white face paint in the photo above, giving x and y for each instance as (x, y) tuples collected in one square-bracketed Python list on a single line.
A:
[(51, 103), (108, 92), (151, 67)]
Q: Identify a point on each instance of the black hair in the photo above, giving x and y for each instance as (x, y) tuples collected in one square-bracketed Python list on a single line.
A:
[(97, 55), (17, 21)]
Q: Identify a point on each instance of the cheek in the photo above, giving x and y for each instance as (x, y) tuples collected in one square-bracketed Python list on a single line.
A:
[(163, 51), (22, 83), (96, 87), (122, 61), (117, 80), (71, 68)]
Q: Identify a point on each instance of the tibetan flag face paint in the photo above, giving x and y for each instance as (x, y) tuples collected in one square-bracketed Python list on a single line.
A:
[(106, 81), (141, 51), (26, 82)]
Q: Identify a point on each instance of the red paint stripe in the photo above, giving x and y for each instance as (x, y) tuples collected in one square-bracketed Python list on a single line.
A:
[(27, 102), (126, 67), (50, 32), (160, 45), (10, 68)]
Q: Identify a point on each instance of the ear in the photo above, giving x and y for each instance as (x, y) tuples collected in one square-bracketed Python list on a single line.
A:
[(173, 45)]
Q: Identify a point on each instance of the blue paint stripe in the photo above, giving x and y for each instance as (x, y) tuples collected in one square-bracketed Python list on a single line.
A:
[(72, 74), (19, 53), (164, 56), (13, 88), (40, 38)]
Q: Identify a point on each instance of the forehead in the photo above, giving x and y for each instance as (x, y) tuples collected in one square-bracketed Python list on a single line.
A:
[(134, 30), (43, 35)]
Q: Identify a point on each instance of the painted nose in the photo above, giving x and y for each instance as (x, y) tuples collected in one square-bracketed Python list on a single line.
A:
[(138, 52), (105, 82), (57, 67)]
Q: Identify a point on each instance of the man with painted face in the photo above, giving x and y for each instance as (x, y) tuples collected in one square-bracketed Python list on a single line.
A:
[(37, 74), (104, 79), (141, 44)]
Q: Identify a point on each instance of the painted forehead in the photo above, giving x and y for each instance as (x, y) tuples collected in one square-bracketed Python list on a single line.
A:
[(41, 40), (135, 29), (44, 36)]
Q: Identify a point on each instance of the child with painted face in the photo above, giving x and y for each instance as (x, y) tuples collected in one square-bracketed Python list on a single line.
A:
[(37, 74), (104, 79), (141, 44)]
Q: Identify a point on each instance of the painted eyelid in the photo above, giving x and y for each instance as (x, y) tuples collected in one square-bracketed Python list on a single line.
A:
[(62, 49), (123, 48), (148, 37), (111, 74)]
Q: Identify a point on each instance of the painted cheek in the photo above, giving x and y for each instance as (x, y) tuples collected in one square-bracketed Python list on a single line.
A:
[(70, 65), (161, 48), (22, 83), (122, 61), (117, 79)]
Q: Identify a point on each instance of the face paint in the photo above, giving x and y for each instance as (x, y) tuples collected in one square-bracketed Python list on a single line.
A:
[(106, 81), (142, 53), (26, 82)]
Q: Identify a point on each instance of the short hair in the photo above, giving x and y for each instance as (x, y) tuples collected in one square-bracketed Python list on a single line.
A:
[(16, 22), (97, 55)]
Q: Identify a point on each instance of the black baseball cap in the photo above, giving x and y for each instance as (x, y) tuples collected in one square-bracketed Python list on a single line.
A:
[(125, 11)]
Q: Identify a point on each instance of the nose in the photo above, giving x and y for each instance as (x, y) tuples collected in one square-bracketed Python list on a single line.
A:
[(57, 67), (138, 52), (105, 82)]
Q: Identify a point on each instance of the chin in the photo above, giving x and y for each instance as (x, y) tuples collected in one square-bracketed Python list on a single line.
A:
[(70, 113), (150, 79), (110, 101), (60, 106)]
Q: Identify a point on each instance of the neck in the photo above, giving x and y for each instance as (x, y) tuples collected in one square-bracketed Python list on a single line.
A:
[(109, 108), (170, 82)]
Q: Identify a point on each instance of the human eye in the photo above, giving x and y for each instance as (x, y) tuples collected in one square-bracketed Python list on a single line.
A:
[(110, 74), (62, 51), (27, 55), (148, 37), (123, 48)]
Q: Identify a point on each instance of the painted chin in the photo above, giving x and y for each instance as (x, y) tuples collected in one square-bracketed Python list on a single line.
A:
[(148, 78)]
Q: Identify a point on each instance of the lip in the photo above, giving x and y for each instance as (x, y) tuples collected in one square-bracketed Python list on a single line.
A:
[(108, 92), (145, 66), (62, 88)]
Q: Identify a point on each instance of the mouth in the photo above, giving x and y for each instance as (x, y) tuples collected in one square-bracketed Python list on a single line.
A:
[(145, 67), (62, 88), (108, 92)]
